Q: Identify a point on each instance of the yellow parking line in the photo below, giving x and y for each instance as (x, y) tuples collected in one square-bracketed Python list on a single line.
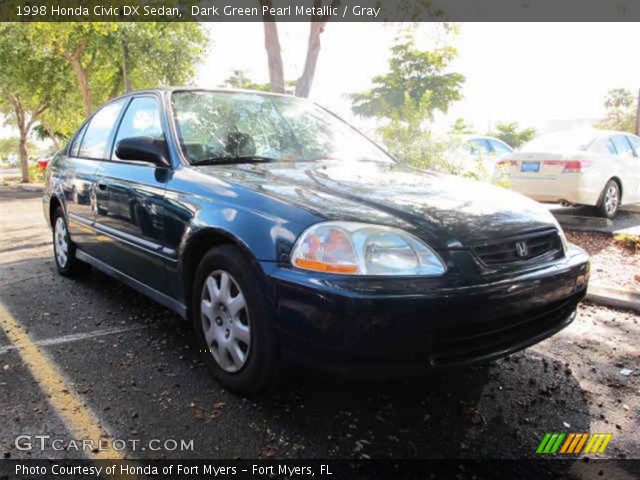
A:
[(75, 414)]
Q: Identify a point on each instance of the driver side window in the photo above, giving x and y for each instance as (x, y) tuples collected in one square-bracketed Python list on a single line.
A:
[(141, 119)]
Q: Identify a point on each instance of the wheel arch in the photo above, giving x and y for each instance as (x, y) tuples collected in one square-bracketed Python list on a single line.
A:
[(618, 180), (54, 203), (196, 246)]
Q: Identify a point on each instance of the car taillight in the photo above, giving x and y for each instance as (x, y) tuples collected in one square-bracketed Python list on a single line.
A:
[(507, 163), (575, 166)]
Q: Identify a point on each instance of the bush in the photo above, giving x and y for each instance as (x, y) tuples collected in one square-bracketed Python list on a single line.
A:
[(36, 174), (420, 149), (628, 241)]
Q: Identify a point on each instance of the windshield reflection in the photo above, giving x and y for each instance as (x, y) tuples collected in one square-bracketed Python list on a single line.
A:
[(216, 127)]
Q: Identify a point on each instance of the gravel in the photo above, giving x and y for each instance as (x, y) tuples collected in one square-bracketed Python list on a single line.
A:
[(611, 264)]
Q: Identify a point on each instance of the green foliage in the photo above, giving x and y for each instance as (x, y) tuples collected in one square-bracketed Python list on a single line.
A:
[(417, 81), (151, 54), (35, 173), (461, 127), (53, 74), (238, 79), (628, 241), (511, 134), (416, 86), (8, 147), (31, 81), (620, 104)]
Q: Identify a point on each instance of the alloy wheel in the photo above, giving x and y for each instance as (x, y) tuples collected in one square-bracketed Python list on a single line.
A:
[(225, 321), (611, 199), (61, 242)]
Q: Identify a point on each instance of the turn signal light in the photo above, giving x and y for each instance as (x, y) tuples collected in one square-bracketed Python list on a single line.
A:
[(331, 252), (575, 166)]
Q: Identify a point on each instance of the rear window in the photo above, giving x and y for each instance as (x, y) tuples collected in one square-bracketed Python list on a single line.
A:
[(560, 141)]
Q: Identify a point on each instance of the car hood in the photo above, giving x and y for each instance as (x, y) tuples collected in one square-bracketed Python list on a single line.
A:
[(446, 210)]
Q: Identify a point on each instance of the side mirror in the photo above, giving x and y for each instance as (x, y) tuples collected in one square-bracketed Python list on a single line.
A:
[(144, 149)]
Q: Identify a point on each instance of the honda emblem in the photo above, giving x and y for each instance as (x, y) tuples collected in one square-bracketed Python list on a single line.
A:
[(521, 249)]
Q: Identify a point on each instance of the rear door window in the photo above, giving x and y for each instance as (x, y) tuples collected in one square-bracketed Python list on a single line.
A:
[(75, 146), (95, 143), (479, 146), (623, 147), (499, 148), (635, 143)]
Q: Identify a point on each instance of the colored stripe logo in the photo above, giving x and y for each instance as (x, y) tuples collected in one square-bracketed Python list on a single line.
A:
[(573, 443)]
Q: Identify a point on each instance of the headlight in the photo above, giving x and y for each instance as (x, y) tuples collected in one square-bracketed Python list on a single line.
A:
[(353, 248)]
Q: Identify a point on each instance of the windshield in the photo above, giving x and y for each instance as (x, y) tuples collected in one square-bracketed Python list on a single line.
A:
[(218, 127), (560, 141)]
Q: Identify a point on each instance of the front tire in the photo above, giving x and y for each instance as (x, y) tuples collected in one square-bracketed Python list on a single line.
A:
[(64, 251), (231, 322), (609, 200)]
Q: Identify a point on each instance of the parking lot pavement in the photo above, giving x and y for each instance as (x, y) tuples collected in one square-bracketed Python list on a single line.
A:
[(134, 369), (627, 219)]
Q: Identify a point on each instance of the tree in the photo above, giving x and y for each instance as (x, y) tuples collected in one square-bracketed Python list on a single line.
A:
[(461, 127), (109, 58), (29, 81), (511, 135), (621, 107), (416, 86), (416, 79), (9, 146), (239, 79), (274, 51)]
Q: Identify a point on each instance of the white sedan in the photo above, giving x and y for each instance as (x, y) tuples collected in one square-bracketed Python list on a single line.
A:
[(586, 167)]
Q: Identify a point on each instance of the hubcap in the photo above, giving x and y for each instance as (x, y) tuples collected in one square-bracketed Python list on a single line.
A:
[(611, 199), (225, 321), (61, 243)]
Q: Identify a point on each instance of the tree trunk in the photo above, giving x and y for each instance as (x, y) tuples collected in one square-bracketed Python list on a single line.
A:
[(274, 52), (51, 134), (23, 154), (82, 78), (638, 115), (125, 61), (303, 85)]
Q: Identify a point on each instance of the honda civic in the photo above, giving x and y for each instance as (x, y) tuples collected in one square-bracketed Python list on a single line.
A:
[(284, 235)]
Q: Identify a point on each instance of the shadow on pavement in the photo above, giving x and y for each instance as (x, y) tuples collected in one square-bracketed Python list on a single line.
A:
[(497, 411)]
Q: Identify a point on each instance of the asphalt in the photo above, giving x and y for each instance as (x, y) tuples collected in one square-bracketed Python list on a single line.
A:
[(135, 367), (586, 219)]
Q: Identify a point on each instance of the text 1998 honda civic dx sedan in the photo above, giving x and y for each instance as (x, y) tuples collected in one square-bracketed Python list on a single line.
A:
[(284, 234)]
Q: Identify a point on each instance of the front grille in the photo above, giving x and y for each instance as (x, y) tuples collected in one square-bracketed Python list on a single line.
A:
[(543, 245), (461, 343)]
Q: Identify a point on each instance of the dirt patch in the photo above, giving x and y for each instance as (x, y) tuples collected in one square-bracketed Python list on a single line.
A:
[(611, 264)]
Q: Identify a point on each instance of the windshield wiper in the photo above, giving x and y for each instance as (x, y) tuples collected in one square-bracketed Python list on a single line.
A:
[(228, 160)]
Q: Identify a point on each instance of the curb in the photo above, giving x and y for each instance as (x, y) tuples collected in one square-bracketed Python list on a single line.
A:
[(612, 297)]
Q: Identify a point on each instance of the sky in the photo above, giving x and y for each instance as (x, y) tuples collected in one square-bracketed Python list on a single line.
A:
[(545, 75)]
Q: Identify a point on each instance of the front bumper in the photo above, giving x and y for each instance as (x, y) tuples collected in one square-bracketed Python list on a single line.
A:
[(410, 325)]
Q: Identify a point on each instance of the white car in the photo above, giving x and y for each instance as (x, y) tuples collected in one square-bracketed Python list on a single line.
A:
[(585, 167), (476, 150)]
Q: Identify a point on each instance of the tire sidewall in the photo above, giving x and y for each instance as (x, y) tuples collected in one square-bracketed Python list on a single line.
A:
[(67, 269), (257, 372), (601, 204)]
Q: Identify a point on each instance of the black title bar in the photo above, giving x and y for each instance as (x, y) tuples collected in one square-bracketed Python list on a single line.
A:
[(317, 10), (539, 469)]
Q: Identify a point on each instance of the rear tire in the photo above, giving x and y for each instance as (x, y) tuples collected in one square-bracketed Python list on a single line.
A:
[(64, 250), (231, 322), (609, 200)]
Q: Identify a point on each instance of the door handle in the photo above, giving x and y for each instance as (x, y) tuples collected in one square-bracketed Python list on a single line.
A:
[(102, 186)]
